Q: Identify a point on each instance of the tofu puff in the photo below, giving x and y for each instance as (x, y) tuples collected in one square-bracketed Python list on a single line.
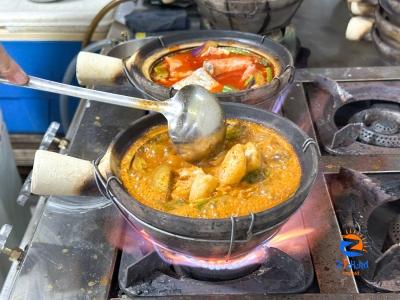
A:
[(257, 170)]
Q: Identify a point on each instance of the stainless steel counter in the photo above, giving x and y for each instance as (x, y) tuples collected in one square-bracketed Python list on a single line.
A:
[(69, 252)]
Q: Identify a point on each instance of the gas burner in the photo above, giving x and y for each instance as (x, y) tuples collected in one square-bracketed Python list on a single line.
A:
[(152, 270), (380, 127), (387, 127), (363, 121), (215, 269), (371, 209), (147, 274), (207, 274), (393, 236)]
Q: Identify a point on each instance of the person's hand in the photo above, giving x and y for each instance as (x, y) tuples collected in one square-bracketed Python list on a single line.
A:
[(10, 70)]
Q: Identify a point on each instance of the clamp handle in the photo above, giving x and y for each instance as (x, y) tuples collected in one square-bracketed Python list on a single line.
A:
[(48, 138)]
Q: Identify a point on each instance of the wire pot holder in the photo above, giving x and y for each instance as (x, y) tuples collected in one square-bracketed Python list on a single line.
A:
[(103, 185)]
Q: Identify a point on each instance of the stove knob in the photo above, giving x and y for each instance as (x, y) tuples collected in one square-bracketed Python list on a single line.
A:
[(14, 254), (49, 136)]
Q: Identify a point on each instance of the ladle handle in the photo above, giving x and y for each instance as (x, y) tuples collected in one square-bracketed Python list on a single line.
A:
[(89, 94), (97, 69), (60, 175)]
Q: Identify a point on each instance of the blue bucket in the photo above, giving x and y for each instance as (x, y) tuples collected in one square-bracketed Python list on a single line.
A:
[(29, 111)]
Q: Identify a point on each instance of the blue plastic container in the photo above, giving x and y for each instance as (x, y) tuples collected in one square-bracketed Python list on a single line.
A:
[(29, 111)]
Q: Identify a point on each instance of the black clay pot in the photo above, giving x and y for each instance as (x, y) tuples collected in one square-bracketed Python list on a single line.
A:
[(392, 10), (385, 47), (250, 16), (390, 33), (264, 96), (214, 237)]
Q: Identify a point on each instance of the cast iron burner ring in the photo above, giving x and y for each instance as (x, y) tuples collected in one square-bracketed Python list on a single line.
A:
[(206, 274), (385, 127), (394, 231), (215, 270), (381, 126)]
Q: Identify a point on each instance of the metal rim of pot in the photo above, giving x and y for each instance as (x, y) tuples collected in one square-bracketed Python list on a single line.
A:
[(132, 46), (257, 5), (387, 50), (391, 10), (229, 235), (277, 54), (387, 29), (395, 5), (277, 14)]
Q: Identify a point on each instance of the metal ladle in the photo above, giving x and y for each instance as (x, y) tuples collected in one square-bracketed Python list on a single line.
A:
[(196, 123)]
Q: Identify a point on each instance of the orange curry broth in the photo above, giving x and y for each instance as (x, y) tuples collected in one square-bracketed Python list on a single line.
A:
[(191, 63), (154, 148)]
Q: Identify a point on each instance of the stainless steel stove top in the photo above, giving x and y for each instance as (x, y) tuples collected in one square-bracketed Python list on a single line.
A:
[(71, 248)]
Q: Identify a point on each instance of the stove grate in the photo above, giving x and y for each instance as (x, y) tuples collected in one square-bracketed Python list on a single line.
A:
[(146, 274)]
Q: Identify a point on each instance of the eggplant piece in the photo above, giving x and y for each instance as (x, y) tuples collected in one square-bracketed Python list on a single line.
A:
[(162, 181), (203, 186), (233, 167), (185, 177), (253, 157)]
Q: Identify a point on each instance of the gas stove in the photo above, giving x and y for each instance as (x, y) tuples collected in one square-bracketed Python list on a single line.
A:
[(343, 240), (345, 236), (281, 265)]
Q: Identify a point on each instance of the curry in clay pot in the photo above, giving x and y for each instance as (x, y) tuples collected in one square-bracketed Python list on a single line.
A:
[(256, 170)]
